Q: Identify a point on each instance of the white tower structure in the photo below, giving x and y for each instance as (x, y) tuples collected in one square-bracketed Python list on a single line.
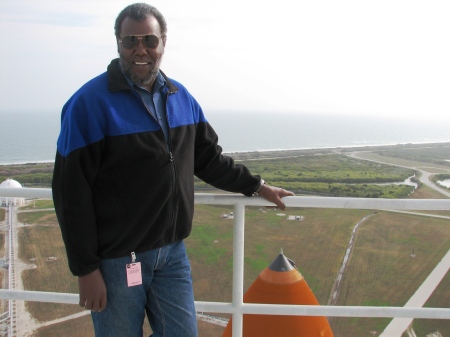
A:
[(5, 201)]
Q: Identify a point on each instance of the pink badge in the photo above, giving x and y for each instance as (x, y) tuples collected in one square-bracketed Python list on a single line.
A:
[(134, 274)]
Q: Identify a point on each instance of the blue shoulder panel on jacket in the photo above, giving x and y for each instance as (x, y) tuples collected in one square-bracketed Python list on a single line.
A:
[(182, 108), (93, 113)]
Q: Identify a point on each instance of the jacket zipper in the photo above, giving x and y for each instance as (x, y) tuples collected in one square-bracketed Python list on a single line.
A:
[(174, 179)]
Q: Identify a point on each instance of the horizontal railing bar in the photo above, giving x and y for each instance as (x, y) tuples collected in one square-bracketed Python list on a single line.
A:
[(215, 307), (39, 296), (26, 192), (297, 201), (325, 310), (328, 202), (346, 311), (259, 309)]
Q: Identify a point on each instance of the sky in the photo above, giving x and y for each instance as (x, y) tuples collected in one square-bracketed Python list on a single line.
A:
[(353, 57)]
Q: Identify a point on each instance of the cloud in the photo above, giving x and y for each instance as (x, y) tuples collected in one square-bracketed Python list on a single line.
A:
[(55, 13), (68, 19)]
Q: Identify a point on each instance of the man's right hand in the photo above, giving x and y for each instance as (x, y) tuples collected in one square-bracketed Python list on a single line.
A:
[(92, 291)]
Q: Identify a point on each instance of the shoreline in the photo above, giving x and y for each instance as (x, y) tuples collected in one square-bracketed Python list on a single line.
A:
[(436, 143), (288, 152)]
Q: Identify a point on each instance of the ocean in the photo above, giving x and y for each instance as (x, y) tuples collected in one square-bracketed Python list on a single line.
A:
[(31, 136)]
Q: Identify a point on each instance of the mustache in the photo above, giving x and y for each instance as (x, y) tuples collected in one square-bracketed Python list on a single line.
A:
[(140, 80)]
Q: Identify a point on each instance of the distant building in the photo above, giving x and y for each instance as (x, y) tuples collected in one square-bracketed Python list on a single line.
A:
[(296, 217), (6, 201), (227, 216)]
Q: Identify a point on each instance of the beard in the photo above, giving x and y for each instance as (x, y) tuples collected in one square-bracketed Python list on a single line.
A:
[(140, 80)]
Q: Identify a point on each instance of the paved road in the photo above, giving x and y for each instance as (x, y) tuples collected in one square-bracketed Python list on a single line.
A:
[(425, 175), (426, 180)]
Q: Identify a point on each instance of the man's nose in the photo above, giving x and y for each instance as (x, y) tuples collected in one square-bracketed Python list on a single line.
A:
[(140, 47)]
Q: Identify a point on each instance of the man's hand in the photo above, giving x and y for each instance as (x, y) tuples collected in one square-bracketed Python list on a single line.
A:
[(92, 291), (274, 194)]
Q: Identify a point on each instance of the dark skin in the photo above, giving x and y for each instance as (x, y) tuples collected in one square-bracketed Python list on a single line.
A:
[(274, 195), (92, 290), (141, 60), (141, 64)]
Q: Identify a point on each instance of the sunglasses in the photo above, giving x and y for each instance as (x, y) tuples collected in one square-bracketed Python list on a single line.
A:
[(131, 41)]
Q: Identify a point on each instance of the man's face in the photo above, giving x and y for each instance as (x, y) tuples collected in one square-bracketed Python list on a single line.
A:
[(140, 63)]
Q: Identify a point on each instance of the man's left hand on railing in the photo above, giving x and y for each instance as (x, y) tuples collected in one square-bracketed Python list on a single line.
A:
[(274, 194)]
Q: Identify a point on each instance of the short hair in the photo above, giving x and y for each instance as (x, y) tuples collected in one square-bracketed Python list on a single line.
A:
[(140, 12)]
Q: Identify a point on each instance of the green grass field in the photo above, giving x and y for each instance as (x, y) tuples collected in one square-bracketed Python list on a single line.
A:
[(382, 272), (437, 154), (42, 245)]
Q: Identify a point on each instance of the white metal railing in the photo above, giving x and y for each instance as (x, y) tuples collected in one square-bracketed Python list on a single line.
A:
[(237, 308), (11, 274)]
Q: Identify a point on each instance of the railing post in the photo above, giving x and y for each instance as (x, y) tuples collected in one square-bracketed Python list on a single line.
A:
[(238, 269), (11, 282)]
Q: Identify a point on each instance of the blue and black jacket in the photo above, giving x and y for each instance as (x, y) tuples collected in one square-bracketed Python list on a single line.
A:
[(117, 188)]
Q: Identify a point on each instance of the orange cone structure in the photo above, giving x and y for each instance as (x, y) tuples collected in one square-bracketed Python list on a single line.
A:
[(281, 283)]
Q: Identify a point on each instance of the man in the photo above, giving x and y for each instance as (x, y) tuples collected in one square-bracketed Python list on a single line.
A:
[(131, 141)]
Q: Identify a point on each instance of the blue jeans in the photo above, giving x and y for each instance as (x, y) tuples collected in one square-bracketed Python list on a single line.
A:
[(166, 295)]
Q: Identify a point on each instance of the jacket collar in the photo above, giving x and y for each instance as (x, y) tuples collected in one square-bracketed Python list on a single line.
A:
[(117, 81)]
